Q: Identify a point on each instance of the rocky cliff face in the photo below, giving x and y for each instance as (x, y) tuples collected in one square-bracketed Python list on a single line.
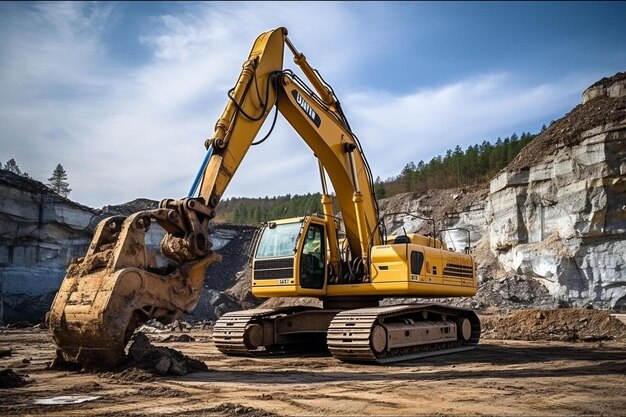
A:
[(556, 214), (40, 232)]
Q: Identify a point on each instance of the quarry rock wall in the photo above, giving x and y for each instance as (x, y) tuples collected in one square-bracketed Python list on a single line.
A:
[(563, 220), (556, 214), (40, 232)]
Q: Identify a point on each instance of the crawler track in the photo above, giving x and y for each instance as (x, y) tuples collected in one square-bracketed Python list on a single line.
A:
[(229, 330), (350, 333)]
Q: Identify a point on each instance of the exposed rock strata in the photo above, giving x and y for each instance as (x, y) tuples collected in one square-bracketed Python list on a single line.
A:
[(40, 232), (560, 216), (556, 214)]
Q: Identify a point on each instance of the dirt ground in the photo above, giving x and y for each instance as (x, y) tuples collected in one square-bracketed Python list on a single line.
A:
[(497, 378)]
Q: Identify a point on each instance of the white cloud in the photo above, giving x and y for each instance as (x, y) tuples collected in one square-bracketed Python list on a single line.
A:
[(422, 124), (124, 133)]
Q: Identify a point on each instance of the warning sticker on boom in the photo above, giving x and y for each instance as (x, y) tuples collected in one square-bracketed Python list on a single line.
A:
[(308, 110)]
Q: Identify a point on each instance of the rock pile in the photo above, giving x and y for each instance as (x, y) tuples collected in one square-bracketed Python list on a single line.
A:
[(161, 360), (567, 324), (230, 409), (10, 379)]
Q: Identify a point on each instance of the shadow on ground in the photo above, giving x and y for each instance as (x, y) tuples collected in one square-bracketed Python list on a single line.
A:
[(600, 361)]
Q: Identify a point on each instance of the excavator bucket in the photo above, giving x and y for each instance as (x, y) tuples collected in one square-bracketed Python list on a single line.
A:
[(107, 294)]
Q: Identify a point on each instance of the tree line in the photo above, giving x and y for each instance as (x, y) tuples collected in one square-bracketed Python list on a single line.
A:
[(457, 168), (57, 182), (245, 210)]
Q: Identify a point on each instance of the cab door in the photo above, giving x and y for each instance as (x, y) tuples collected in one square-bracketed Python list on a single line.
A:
[(312, 256)]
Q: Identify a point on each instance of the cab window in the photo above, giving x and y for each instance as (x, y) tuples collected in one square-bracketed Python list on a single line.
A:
[(278, 241), (312, 258)]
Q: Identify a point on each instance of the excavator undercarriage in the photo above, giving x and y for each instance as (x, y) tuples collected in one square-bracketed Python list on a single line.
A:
[(382, 334)]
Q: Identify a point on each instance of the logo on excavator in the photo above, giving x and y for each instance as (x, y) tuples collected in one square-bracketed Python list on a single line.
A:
[(307, 108)]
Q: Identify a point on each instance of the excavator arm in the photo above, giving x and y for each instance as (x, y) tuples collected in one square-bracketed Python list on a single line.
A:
[(318, 120), (117, 285)]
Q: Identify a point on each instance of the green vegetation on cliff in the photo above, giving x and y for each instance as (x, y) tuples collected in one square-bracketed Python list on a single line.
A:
[(457, 168)]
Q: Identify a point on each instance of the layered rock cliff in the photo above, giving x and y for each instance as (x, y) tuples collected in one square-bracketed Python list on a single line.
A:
[(556, 214), (40, 232)]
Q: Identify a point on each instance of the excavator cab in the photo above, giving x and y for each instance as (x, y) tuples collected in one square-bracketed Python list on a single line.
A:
[(290, 258)]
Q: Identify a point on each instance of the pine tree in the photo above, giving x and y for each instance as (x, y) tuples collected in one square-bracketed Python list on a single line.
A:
[(58, 181), (11, 166), (379, 188)]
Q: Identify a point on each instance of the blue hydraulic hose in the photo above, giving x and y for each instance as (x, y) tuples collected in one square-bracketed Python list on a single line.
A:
[(196, 182)]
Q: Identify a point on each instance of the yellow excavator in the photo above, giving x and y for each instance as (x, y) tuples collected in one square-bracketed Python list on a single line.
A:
[(117, 286)]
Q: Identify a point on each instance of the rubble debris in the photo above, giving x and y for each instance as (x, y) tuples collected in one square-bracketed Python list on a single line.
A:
[(129, 376), (10, 379), (160, 391), (6, 352), (185, 338), (510, 292), (231, 409), (131, 207), (161, 360), (563, 324)]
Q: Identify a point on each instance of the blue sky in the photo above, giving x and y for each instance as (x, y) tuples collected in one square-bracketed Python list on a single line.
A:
[(124, 94)]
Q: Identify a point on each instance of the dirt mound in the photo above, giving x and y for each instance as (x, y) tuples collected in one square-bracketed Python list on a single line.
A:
[(130, 376), (567, 130), (223, 275), (160, 360), (126, 209), (161, 391), (10, 379), (567, 324), (231, 409)]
